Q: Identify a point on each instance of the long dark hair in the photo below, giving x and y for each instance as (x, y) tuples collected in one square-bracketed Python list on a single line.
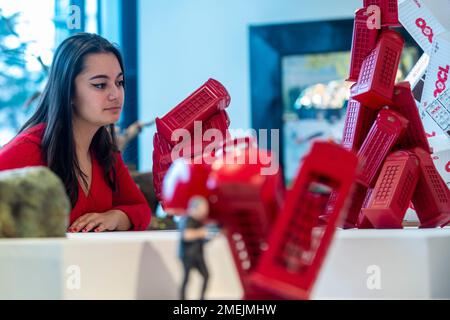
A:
[(56, 110)]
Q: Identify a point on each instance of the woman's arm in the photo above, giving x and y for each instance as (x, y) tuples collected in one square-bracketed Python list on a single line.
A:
[(129, 199), (130, 210)]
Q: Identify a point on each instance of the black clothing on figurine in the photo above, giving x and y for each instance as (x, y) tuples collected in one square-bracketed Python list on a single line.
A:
[(191, 254), (194, 248)]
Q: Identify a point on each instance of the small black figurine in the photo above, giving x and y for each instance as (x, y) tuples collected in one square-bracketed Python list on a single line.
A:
[(193, 237)]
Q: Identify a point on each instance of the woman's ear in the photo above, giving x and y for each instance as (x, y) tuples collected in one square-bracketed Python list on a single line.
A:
[(74, 108)]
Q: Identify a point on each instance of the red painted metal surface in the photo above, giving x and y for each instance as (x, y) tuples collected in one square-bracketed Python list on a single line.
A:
[(393, 191), (377, 76)]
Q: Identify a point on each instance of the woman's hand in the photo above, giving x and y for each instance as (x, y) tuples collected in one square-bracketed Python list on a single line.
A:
[(99, 222)]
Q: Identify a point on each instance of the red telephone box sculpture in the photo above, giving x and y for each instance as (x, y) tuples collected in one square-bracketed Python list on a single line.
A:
[(207, 100), (399, 128), (363, 222), (376, 79), (364, 41), (246, 204), (388, 11), (382, 137), (432, 197), (206, 105), (279, 239), (249, 206), (356, 202), (358, 121), (298, 242), (405, 104), (393, 192)]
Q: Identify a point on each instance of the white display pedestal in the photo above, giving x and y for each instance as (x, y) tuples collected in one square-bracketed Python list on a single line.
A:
[(113, 265), (387, 264), (406, 264)]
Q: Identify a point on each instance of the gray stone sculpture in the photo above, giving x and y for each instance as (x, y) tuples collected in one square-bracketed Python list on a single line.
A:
[(33, 203)]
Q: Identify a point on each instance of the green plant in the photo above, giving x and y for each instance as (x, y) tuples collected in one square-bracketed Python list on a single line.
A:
[(19, 87)]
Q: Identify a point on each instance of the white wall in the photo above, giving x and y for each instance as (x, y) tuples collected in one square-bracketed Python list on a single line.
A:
[(185, 42)]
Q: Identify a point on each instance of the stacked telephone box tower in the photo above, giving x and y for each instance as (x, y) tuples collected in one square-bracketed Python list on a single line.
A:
[(278, 239), (384, 128), (275, 238)]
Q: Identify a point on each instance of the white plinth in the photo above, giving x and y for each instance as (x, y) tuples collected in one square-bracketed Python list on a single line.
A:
[(408, 263), (387, 264)]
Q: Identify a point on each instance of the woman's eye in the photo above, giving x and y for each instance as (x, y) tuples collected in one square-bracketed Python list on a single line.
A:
[(99, 85), (121, 83)]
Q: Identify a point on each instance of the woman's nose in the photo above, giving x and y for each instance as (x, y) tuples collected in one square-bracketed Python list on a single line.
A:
[(114, 93)]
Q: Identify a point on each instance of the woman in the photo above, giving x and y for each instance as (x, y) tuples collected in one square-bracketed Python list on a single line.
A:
[(72, 133)]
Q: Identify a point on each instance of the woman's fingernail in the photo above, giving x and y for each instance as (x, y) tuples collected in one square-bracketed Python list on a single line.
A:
[(84, 230), (97, 230)]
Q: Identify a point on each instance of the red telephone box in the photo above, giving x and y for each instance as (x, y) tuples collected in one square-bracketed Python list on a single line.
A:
[(356, 200), (358, 121), (393, 191), (364, 41), (383, 135), (432, 197), (210, 98), (363, 222), (379, 69), (388, 10), (405, 104), (298, 242)]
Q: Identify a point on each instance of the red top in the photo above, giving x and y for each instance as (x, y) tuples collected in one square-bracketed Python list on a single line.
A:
[(25, 150)]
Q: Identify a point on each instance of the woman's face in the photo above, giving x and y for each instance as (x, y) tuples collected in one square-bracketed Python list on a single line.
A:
[(99, 92)]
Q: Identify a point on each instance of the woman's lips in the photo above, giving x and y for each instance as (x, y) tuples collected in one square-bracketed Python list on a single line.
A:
[(113, 109)]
